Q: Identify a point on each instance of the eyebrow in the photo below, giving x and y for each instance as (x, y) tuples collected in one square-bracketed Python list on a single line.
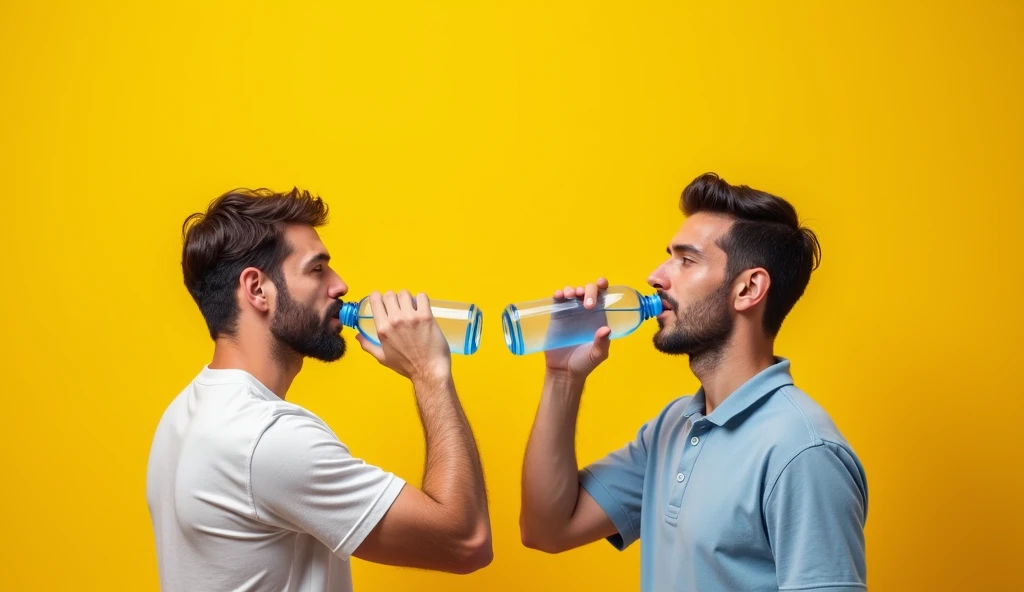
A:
[(318, 258), (684, 250)]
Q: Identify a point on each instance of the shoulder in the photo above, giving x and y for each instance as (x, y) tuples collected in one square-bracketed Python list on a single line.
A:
[(794, 418), (292, 432), (798, 433), (671, 415), (674, 411)]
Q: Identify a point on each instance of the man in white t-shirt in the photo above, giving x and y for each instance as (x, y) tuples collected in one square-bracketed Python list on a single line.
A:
[(247, 491)]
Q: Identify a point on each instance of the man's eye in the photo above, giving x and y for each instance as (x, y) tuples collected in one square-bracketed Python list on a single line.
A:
[(318, 269)]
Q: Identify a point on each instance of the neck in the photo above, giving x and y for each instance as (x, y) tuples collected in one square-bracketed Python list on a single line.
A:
[(274, 370), (722, 372)]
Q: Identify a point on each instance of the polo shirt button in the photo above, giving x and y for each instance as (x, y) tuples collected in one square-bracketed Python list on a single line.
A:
[(694, 440), (680, 477)]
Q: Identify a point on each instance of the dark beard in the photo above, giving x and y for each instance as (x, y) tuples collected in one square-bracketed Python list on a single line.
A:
[(301, 330), (706, 330)]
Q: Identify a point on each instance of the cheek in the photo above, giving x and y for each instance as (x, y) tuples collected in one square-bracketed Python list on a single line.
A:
[(683, 281), (304, 292), (690, 285)]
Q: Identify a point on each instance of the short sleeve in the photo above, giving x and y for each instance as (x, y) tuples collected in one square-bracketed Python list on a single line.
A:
[(815, 515), (303, 478), (616, 482)]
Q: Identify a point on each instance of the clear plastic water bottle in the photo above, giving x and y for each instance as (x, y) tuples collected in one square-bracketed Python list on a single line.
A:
[(460, 323), (547, 323)]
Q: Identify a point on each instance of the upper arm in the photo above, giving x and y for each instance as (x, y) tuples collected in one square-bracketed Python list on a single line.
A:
[(815, 515), (589, 523), (303, 479), (614, 486)]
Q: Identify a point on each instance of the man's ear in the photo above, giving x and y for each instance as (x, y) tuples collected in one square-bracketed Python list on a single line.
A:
[(256, 288), (751, 288)]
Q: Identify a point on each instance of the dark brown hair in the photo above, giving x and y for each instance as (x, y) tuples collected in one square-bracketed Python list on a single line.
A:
[(242, 228), (766, 233)]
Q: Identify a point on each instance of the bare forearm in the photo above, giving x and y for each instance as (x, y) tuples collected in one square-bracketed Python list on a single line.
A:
[(453, 476), (550, 485)]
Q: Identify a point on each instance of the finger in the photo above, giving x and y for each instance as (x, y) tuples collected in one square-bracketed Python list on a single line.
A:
[(580, 291), (602, 343), (405, 301), (569, 292), (590, 297), (370, 348), (602, 284), (391, 304), (423, 304)]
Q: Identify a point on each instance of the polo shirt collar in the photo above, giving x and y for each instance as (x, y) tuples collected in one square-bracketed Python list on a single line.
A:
[(759, 386)]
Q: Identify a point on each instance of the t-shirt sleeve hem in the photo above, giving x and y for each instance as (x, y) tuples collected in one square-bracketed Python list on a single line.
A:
[(604, 498), (833, 587), (366, 523)]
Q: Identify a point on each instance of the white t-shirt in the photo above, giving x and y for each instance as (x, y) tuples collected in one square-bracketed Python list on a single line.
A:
[(249, 492)]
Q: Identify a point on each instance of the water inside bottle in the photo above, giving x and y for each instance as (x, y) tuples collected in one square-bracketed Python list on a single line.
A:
[(567, 323)]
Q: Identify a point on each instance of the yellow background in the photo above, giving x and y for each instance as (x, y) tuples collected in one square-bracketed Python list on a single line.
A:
[(491, 152)]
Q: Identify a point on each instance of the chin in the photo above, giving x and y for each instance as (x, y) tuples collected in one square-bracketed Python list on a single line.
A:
[(669, 343)]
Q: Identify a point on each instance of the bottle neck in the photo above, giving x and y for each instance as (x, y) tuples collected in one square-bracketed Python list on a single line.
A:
[(650, 306), (349, 314)]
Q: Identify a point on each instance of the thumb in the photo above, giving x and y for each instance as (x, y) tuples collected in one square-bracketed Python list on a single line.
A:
[(602, 343), (370, 348)]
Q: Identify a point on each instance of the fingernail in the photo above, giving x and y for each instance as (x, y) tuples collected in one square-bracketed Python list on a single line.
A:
[(590, 301)]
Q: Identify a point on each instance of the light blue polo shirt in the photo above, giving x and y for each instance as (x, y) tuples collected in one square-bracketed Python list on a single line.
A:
[(763, 494)]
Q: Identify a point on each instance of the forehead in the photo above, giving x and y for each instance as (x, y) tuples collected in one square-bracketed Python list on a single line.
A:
[(304, 242), (703, 230)]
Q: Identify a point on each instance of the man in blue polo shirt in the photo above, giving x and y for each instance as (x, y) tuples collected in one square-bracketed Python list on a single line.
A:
[(747, 484)]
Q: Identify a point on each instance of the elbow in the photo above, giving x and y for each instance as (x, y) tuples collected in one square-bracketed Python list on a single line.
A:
[(473, 550), (533, 538)]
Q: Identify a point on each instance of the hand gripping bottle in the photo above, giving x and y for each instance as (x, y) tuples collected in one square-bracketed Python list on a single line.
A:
[(460, 323)]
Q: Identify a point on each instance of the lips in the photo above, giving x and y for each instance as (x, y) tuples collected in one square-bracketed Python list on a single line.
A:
[(666, 302), (333, 312)]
